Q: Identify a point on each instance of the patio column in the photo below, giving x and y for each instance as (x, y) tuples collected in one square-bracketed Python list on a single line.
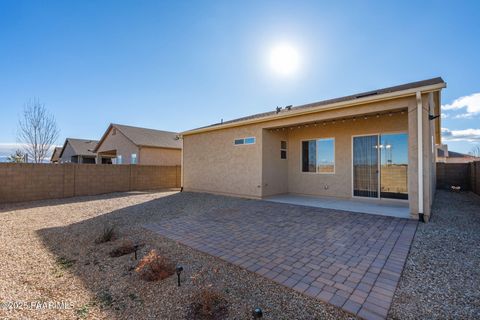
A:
[(419, 163)]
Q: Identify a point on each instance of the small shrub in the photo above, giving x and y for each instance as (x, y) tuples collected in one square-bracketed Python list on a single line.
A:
[(208, 304), (105, 298), (154, 267), (82, 312), (65, 263), (107, 235), (125, 248)]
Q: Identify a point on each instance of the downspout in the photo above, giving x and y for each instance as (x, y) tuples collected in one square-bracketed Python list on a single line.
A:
[(420, 154), (182, 169)]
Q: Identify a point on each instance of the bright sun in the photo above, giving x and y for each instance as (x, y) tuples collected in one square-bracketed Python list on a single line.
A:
[(284, 59)]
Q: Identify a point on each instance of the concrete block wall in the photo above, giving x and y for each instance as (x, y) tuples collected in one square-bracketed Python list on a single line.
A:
[(475, 176), (453, 174), (28, 181)]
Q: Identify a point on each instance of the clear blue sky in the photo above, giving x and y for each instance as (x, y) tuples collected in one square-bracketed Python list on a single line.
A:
[(179, 65)]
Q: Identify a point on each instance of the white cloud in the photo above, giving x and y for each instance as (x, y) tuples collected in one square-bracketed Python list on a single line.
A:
[(464, 116), (444, 115), (471, 103), (9, 147), (470, 135)]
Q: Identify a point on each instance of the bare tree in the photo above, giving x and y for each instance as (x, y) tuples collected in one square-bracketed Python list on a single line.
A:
[(38, 130), (475, 151), (17, 157)]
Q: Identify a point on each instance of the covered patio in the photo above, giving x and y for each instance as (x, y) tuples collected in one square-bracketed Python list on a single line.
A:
[(392, 208)]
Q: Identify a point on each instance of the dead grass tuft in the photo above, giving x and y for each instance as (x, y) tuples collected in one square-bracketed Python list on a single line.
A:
[(154, 267), (208, 304), (107, 235)]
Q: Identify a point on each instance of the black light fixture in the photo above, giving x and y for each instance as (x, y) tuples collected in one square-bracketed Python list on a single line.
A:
[(135, 247), (179, 270), (257, 313), (432, 117)]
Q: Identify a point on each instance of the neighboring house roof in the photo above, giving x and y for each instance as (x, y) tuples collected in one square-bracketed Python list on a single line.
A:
[(56, 154), (364, 97), (81, 147), (453, 154), (144, 137)]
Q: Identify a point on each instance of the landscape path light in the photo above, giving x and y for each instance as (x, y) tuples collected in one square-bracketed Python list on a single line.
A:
[(257, 313), (179, 270)]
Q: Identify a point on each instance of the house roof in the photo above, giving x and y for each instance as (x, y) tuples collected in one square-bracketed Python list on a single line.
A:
[(56, 154), (453, 154), (81, 147), (144, 137), (362, 97)]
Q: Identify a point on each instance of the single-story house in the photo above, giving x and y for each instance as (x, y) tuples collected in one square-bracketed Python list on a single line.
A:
[(121, 144), (446, 156), (373, 145), (78, 151), (55, 158)]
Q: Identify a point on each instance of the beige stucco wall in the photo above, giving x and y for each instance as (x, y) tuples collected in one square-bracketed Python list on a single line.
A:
[(121, 143), (212, 163), (160, 156), (275, 169), (67, 154), (338, 184)]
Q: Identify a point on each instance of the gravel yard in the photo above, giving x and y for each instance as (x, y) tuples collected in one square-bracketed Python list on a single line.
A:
[(441, 279), (49, 255)]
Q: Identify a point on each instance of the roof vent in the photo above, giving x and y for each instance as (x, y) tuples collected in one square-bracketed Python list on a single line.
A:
[(278, 109), (289, 107), (368, 94)]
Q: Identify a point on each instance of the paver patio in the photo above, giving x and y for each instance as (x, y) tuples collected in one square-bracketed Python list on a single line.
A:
[(351, 260)]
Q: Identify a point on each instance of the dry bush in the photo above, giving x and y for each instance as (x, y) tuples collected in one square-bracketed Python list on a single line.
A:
[(154, 267), (126, 247), (107, 235), (208, 304)]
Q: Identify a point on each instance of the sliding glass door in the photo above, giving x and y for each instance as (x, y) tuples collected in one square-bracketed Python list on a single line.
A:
[(380, 166), (365, 166), (394, 166)]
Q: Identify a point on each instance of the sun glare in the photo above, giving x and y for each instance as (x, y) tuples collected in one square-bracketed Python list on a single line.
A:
[(284, 59)]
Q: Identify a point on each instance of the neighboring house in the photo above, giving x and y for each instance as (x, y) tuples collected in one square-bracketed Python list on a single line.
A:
[(376, 145), (78, 151), (446, 156), (55, 158), (122, 144)]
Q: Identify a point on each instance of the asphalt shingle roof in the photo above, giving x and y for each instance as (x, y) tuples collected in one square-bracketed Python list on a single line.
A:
[(150, 137), (83, 147), (402, 87)]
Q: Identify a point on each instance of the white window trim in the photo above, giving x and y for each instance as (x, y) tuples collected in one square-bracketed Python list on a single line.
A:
[(334, 157)]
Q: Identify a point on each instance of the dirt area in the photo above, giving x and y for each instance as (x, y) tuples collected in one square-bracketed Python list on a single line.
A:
[(53, 267)]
